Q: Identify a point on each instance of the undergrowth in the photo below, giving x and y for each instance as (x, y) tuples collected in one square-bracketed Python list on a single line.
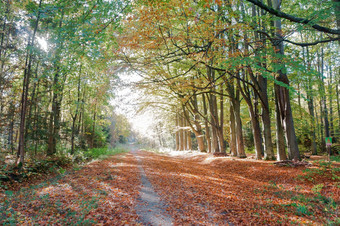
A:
[(10, 216), (57, 164), (303, 204), (102, 153), (335, 158), (322, 169)]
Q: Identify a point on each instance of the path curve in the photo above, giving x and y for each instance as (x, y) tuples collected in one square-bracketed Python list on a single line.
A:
[(150, 208)]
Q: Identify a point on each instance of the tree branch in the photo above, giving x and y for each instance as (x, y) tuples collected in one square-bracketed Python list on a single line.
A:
[(293, 18), (311, 43)]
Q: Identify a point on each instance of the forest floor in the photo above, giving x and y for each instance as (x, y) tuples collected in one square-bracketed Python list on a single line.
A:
[(188, 188)]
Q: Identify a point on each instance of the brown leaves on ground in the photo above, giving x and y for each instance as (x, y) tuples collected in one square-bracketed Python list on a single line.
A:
[(103, 192), (196, 190), (207, 190)]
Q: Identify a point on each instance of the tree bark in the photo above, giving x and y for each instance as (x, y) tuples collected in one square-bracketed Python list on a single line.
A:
[(185, 132), (338, 102), (24, 96), (11, 119), (239, 134), (283, 98), (233, 146), (181, 133), (177, 132), (220, 126), (253, 117), (189, 140), (330, 94), (324, 101), (74, 118), (93, 133), (57, 88), (280, 139), (195, 126), (207, 128), (311, 108), (214, 121)]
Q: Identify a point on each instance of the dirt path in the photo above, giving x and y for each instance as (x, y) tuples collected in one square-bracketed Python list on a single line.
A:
[(150, 208)]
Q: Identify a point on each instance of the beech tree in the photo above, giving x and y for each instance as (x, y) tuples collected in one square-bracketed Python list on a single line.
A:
[(225, 49)]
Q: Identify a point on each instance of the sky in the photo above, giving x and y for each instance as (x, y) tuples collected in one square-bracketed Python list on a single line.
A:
[(126, 102)]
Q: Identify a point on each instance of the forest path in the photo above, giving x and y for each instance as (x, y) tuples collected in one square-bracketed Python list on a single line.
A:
[(146, 188), (150, 208)]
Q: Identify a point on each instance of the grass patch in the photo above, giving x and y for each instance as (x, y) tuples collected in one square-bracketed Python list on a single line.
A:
[(102, 153), (335, 158), (325, 169)]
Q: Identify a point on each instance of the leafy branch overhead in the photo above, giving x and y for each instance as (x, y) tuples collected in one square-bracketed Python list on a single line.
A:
[(295, 19)]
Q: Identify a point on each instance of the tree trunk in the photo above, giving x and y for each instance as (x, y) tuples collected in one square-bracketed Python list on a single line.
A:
[(280, 139), (55, 115), (324, 103), (338, 102), (73, 132), (283, 98), (51, 138), (185, 132), (256, 133), (177, 132), (220, 127), (181, 133), (321, 102), (330, 94), (32, 103), (311, 112), (253, 117), (2, 57), (238, 122), (74, 118), (233, 147), (197, 129), (261, 84), (57, 88), (189, 140), (212, 100), (36, 121), (93, 133), (214, 122), (311, 108), (265, 116), (11, 119), (207, 128), (24, 96)]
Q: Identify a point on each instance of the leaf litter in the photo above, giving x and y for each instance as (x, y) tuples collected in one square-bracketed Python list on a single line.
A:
[(196, 189)]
